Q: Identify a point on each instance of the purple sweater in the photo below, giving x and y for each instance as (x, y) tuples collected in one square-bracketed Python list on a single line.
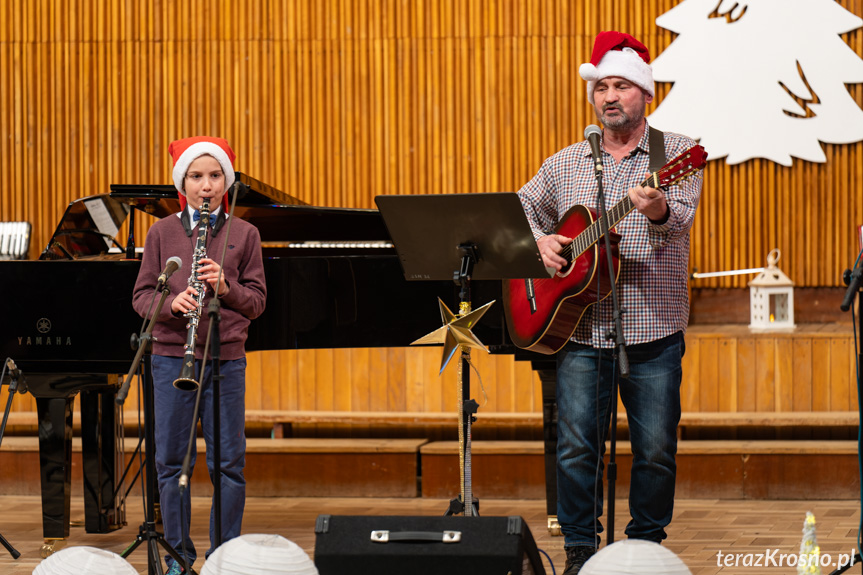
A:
[(244, 273)]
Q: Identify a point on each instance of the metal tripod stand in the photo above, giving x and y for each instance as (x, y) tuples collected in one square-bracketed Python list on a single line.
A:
[(147, 531)]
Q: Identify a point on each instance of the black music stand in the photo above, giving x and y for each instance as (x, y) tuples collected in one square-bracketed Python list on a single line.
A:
[(429, 230), (462, 237)]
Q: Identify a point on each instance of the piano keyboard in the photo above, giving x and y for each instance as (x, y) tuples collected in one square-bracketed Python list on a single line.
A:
[(329, 245)]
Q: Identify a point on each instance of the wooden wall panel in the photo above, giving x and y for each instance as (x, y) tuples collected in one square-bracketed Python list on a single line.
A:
[(745, 380), (689, 388), (338, 101), (383, 379), (725, 369), (727, 363)]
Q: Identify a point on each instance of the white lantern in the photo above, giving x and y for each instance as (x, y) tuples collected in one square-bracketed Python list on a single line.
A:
[(257, 553), (635, 556), (771, 299), (84, 559)]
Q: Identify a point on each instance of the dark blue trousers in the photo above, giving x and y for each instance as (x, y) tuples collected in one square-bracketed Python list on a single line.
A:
[(173, 419), (651, 396)]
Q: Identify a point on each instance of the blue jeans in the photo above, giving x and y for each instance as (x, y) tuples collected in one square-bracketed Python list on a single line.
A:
[(173, 419), (651, 396)]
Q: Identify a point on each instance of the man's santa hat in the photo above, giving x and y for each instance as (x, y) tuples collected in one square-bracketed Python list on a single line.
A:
[(618, 54), (187, 150)]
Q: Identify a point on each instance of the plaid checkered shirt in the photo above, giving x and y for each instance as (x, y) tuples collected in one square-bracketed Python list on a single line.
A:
[(654, 259)]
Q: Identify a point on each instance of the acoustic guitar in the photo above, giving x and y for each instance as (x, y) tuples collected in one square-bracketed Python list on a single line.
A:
[(542, 314)]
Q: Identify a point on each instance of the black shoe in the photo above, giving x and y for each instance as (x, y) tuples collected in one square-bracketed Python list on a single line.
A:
[(576, 557)]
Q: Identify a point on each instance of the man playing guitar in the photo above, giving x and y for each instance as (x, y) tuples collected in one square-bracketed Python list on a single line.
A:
[(653, 253)]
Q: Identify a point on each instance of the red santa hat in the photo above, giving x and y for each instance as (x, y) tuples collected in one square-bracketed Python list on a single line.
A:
[(187, 150), (618, 54)]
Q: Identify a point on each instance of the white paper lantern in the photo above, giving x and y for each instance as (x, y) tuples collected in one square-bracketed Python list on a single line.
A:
[(635, 556), (771, 298), (257, 554), (84, 560)]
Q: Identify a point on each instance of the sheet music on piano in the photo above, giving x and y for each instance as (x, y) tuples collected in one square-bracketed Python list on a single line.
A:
[(88, 228), (102, 218)]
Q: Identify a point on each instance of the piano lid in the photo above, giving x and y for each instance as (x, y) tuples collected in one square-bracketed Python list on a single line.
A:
[(287, 224), (284, 221), (161, 200), (87, 228)]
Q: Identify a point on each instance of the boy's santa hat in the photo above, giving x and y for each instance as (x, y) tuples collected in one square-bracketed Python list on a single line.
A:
[(187, 150), (618, 54)]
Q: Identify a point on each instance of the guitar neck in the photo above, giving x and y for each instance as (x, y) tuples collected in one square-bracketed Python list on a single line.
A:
[(618, 211)]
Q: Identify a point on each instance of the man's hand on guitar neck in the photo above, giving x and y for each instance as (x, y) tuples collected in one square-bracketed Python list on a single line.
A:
[(650, 202), (550, 247)]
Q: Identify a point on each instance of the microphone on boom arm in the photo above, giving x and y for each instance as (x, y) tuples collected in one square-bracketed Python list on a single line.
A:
[(173, 264), (592, 134)]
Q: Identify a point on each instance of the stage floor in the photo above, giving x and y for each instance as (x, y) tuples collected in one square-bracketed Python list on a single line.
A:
[(701, 528)]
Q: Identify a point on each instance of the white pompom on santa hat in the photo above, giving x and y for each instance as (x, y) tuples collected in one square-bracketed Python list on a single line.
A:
[(187, 150), (618, 54)]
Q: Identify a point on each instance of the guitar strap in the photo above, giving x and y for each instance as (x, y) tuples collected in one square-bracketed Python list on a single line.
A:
[(656, 141)]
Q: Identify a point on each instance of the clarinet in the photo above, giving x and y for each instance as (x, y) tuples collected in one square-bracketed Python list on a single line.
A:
[(187, 381)]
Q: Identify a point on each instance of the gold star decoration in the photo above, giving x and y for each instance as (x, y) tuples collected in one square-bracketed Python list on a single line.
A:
[(455, 332)]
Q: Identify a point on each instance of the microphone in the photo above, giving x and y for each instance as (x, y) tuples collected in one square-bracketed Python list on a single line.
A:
[(853, 287), (592, 133), (173, 264), (14, 372), (240, 189)]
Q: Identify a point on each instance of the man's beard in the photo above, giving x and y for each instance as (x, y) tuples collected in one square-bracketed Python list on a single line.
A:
[(622, 122)]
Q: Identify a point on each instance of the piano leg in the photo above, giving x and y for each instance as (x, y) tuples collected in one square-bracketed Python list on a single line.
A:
[(548, 379), (100, 440), (55, 462)]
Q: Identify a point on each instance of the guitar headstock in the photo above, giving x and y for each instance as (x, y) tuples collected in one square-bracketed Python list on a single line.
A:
[(680, 168)]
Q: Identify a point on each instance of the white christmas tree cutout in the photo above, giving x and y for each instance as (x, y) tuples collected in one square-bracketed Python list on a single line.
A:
[(760, 78)]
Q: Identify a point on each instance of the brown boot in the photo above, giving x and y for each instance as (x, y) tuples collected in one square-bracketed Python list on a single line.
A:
[(576, 557)]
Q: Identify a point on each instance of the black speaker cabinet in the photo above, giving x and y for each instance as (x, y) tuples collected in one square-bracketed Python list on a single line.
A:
[(454, 545)]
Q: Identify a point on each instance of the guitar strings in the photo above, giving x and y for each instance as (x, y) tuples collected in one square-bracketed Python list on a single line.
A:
[(591, 235)]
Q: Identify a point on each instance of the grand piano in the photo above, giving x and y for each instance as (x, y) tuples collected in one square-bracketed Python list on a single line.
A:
[(333, 277)]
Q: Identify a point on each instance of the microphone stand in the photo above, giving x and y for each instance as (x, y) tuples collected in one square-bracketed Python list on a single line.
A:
[(213, 344), (852, 279), (147, 531), (13, 387), (620, 357)]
